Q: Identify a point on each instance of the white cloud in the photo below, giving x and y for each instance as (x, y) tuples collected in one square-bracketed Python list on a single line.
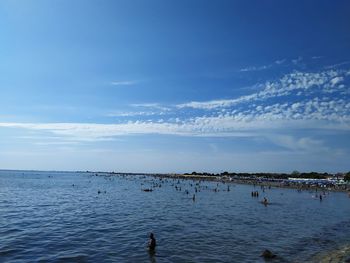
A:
[(334, 81), (263, 67), (134, 113), (274, 122), (297, 60), (337, 65), (295, 82), (124, 83), (253, 68), (208, 105), (298, 144), (150, 106), (279, 62), (325, 115), (256, 114)]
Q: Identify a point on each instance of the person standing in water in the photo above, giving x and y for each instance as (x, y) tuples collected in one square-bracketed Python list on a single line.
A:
[(152, 242), (265, 202)]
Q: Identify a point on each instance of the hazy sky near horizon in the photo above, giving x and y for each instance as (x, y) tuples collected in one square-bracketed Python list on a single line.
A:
[(175, 86)]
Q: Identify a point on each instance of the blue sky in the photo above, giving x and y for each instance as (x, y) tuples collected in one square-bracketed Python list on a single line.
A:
[(175, 86)]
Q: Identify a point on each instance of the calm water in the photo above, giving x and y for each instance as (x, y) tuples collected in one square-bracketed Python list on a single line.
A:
[(44, 218)]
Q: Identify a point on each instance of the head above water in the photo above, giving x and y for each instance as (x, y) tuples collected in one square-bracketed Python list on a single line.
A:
[(151, 235)]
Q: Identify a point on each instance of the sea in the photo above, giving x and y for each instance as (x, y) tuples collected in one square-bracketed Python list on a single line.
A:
[(102, 217)]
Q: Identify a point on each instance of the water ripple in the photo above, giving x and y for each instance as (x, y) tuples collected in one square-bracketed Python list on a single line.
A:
[(73, 217)]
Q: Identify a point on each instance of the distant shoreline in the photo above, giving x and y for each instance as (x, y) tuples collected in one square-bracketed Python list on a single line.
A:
[(280, 180), (294, 183), (267, 182)]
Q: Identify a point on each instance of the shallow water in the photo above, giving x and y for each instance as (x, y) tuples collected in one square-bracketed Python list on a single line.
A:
[(61, 217)]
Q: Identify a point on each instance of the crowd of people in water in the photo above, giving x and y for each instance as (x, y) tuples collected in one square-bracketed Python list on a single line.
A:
[(255, 194), (191, 187), (196, 185)]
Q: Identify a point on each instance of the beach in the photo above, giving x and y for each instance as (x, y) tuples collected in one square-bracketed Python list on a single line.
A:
[(267, 182)]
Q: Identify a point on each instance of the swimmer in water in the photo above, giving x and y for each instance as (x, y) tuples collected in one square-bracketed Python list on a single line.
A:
[(152, 242), (265, 202)]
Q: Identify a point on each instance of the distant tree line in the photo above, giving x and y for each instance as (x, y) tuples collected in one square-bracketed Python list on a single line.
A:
[(347, 177), (294, 174)]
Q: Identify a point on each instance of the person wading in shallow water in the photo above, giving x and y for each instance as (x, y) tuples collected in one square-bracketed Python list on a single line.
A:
[(152, 242)]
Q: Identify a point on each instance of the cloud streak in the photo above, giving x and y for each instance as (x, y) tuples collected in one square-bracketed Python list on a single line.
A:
[(264, 67), (241, 124), (124, 83), (317, 101), (291, 83)]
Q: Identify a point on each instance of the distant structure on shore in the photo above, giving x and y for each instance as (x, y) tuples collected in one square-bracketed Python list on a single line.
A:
[(294, 174)]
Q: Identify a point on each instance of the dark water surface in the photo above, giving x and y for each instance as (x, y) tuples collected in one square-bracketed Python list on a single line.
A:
[(61, 217)]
